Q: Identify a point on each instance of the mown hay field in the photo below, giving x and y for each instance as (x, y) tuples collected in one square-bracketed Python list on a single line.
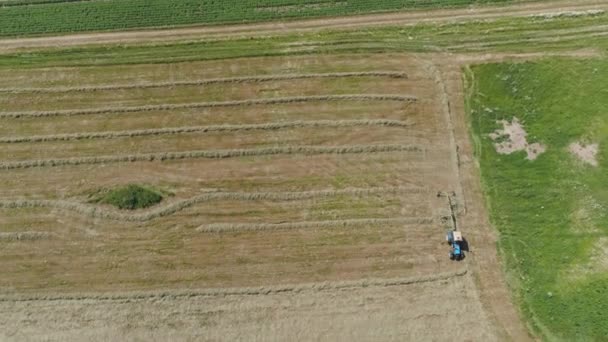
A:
[(315, 176), (311, 169)]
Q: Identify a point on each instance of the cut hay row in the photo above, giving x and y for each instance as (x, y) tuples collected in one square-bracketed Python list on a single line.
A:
[(349, 223), (243, 291), (23, 236), (96, 211), (206, 154), (200, 82), (236, 103), (206, 129)]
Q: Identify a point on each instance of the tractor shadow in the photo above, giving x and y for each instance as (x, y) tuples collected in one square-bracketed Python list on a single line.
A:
[(464, 245)]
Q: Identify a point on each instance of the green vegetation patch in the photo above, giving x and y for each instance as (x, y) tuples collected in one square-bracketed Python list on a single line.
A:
[(27, 17), (129, 197), (551, 212)]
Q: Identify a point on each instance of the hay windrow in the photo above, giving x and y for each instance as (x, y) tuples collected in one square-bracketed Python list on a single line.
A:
[(169, 209), (212, 154), (236, 103), (24, 236), (349, 223), (243, 291), (207, 129), (201, 82)]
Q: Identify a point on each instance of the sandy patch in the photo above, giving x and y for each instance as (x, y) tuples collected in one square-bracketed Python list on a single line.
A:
[(586, 153), (599, 255), (597, 263), (582, 221), (512, 138)]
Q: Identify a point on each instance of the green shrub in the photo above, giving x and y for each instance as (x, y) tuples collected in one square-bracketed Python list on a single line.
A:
[(131, 197)]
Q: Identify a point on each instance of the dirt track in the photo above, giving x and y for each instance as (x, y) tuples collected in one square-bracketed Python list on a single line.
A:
[(488, 271), (277, 28)]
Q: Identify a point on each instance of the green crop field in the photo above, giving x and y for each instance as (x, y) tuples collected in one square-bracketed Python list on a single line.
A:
[(551, 212), (27, 17)]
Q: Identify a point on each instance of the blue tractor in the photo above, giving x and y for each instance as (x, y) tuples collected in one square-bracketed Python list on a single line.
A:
[(454, 238)]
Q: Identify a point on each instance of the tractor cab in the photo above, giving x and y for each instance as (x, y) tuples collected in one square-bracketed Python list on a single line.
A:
[(454, 236), (455, 239)]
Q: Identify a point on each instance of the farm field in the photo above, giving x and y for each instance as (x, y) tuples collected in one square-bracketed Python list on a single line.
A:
[(31, 17), (276, 173), (312, 161), (290, 178)]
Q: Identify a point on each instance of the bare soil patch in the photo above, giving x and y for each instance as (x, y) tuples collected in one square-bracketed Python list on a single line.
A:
[(512, 138), (585, 153), (599, 255), (596, 264)]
